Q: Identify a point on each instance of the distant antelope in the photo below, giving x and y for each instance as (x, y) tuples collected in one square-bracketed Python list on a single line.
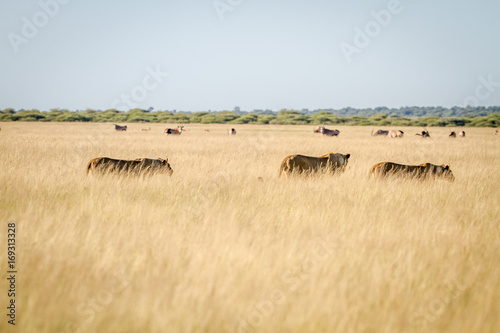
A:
[(424, 134), (174, 131), (323, 130), (329, 132), (380, 132), (146, 129), (396, 134), (232, 131)]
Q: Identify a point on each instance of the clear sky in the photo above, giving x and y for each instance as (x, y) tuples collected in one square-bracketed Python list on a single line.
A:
[(201, 55)]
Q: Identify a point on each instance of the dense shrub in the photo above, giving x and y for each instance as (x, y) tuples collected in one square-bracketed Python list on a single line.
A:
[(380, 116)]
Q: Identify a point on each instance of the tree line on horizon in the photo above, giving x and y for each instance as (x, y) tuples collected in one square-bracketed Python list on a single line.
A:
[(381, 116)]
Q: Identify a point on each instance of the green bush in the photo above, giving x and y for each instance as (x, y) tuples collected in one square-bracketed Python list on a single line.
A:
[(180, 118), (5, 117), (265, 119), (208, 119), (28, 115), (246, 119), (380, 116), (225, 117), (71, 117)]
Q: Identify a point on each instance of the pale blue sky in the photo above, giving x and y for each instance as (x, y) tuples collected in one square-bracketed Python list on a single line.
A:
[(259, 54)]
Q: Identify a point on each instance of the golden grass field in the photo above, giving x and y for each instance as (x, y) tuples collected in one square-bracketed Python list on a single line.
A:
[(213, 249)]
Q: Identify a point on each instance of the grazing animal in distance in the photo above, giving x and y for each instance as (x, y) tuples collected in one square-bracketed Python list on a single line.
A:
[(329, 132), (497, 132), (422, 171), (452, 135), (424, 134), (308, 164), (146, 129), (138, 166), (380, 133), (462, 134), (232, 131), (206, 130), (174, 131), (120, 128), (396, 134)]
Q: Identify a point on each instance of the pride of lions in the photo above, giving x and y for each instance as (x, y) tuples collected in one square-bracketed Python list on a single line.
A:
[(334, 163), (291, 165)]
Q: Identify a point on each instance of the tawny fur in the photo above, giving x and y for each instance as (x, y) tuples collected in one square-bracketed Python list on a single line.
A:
[(301, 163), (421, 171), (138, 166)]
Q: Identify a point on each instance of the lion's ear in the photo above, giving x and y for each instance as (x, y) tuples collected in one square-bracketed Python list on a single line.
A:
[(347, 156), (447, 167)]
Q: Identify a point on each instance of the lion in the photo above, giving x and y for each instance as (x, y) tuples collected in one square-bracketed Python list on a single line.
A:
[(137, 166), (422, 171), (299, 163)]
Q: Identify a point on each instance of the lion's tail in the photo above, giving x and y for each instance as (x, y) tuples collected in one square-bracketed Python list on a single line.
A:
[(282, 168), (89, 166), (92, 164), (375, 171)]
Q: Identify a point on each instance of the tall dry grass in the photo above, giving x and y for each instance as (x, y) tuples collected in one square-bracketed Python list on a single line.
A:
[(213, 249)]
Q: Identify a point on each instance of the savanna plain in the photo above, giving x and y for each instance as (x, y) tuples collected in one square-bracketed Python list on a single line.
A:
[(213, 248)]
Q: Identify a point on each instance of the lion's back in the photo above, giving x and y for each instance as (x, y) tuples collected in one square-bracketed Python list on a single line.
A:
[(299, 163), (104, 164), (390, 168)]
